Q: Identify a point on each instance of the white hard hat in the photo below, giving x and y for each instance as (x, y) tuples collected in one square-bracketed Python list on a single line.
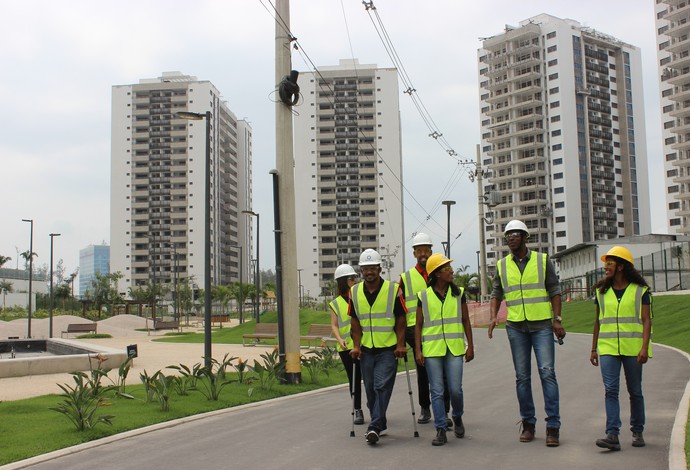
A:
[(421, 239), (369, 257), (344, 270), (516, 225)]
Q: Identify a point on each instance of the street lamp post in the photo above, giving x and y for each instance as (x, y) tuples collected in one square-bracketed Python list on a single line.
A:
[(448, 204), (31, 271), (257, 279), (479, 276), (299, 285), (207, 231), (241, 309), (50, 324)]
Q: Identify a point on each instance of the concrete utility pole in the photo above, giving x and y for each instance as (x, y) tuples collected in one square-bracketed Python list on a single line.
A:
[(286, 171), (482, 235)]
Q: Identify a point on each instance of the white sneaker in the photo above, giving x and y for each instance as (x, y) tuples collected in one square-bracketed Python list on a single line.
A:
[(372, 437)]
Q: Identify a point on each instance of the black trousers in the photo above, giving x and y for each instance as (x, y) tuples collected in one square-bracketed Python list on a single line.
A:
[(347, 362)]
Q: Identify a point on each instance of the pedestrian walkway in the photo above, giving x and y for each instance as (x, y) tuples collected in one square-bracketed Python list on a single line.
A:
[(312, 430)]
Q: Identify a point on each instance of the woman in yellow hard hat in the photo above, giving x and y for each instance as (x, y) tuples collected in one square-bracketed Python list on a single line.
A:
[(622, 338), (443, 342)]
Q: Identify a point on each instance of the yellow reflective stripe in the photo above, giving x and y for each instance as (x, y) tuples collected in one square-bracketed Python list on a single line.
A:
[(527, 300), (621, 334), (443, 336), (411, 294), (607, 320)]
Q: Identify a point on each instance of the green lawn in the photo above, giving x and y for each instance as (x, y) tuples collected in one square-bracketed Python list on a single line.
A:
[(30, 428)]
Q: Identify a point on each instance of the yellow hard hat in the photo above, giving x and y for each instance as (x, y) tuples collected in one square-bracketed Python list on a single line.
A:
[(619, 252), (435, 261)]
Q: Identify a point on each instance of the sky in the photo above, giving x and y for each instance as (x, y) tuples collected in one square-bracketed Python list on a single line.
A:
[(61, 59)]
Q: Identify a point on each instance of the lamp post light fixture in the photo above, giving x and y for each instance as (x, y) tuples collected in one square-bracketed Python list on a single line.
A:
[(50, 324), (448, 204), (31, 271), (257, 278), (207, 230)]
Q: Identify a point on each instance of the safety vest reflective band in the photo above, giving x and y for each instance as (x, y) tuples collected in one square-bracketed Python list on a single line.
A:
[(339, 306), (378, 320), (443, 328), (525, 292), (414, 283), (620, 322)]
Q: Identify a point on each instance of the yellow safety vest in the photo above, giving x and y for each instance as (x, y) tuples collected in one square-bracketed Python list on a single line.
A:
[(525, 293), (378, 320), (339, 306), (443, 328), (414, 283), (620, 322)]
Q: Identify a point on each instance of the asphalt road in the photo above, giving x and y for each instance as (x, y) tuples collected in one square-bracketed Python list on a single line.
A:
[(312, 431)]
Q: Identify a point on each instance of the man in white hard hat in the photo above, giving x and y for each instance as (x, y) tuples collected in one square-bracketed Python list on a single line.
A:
[(378, 334), (411, 283), (528, 282)]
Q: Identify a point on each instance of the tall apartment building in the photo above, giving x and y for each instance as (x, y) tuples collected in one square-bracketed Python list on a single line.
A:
[(563, 135), (348, 171), (158, 184), (673, 49), (94, 259)]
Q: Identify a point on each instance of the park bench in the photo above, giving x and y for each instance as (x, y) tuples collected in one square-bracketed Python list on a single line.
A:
[(166, 325), (262, 331), (80, 328), (318, 333), (220, 318)]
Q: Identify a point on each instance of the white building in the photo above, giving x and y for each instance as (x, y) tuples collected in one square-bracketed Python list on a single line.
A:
[(563, 135), (673, 49), (348, 171), (158, 183)]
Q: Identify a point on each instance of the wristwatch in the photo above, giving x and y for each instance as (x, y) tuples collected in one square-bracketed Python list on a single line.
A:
[(557, 318)]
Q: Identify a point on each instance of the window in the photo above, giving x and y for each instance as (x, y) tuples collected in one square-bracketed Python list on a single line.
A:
[(559, 205), (555, 118), (560, 234), (553, 62), (560, 219), (672, 189), (668, 108), (669, 124), (557, 161), (672, 173), (558, 176), (553, 90), (556, 133), (670, 140), (552, 35), (667, 92), (557, 147), (551, 48), (553, 76), (558, 190), (664, 45), (671, 157), (674, 205), (674, 222), (555, 104)]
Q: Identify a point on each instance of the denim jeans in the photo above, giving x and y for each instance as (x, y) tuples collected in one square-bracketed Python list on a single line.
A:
[(611, 373), (450, 367), (521, 345), (378, 371)]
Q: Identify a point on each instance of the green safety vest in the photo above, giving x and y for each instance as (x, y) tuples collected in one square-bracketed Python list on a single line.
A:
[(414, 283), (620, 322), (443, 328), (378, 320), (339, 306), (525, 293)]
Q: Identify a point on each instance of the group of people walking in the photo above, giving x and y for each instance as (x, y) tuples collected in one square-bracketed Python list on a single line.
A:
[(373, 321)]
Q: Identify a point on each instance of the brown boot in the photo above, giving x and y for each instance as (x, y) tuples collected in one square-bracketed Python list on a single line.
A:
[(527, 434), (552, 435)]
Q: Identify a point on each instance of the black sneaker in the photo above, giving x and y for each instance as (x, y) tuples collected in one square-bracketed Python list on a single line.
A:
[(359, 417), (638, 440), (459, 428), (440, 438), (610, 442), (449, 422), (424, 416), (372, 437)]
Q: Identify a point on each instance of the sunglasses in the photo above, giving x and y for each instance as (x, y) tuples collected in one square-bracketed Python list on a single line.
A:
[(610, 263), (510, 236)]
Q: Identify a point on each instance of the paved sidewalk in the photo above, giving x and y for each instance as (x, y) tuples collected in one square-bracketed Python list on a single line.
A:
[(312, 430)]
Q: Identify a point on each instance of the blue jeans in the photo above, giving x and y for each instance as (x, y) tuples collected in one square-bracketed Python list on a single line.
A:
[(521, 345), (378, 371), (451, 367), (611, 373)]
